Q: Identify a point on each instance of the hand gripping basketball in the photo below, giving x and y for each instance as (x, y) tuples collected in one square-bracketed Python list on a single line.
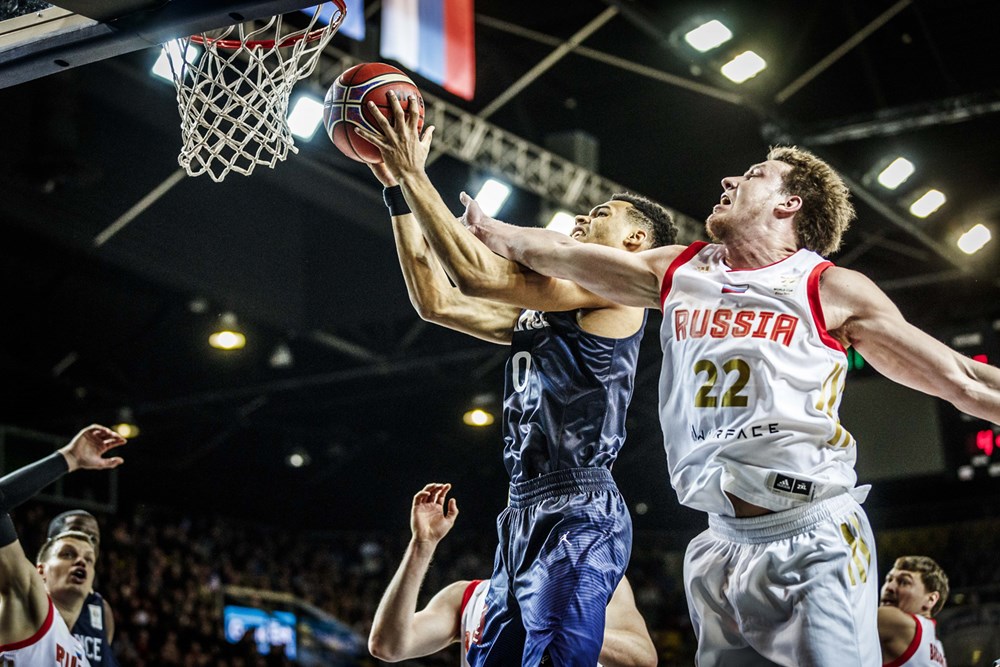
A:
[(347, 106), (399, 139)]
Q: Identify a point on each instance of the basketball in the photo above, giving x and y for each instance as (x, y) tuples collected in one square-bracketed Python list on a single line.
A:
[(346, 106)]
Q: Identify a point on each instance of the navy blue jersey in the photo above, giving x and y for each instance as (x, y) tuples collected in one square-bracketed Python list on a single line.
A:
[(92, 630), (566, 392)]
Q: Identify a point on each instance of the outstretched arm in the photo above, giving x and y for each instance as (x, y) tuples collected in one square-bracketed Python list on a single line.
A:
[(432, 294), (473, 267), (399, 632), (631, 279), (23, 600), (860, 314), (626, 640)]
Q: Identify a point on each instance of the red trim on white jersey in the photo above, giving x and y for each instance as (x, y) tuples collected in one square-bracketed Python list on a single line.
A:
[(35, 637), (812, 289), (911, 649), (668, 277), (467, 594)]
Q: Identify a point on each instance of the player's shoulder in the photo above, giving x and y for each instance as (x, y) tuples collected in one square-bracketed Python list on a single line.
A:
[(894, 621), (667, 253), (850, 290)]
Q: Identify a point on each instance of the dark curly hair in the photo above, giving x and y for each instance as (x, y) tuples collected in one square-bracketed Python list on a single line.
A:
[(826, 211), (653, 217)]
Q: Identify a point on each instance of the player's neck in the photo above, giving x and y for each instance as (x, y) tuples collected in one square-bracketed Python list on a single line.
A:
[(69, 607), (759, 242), (755, 253)]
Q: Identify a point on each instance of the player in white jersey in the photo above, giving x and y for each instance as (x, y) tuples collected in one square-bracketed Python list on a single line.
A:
[(38, 603), (914, 591), (754, 335), (456, 613)]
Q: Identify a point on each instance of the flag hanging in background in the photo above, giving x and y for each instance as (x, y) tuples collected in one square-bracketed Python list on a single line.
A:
[(354, 23), (435, 38)]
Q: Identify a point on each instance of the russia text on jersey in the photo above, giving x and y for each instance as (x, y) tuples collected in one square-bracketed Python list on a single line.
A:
[(735, 324)]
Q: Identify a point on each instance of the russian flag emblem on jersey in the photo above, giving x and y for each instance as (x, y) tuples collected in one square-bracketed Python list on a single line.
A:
[(735, 289), (435, 38)]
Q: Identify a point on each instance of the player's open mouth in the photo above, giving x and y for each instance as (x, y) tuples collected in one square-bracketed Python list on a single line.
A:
[(78, 575), (725, 200), (886, 602), (577, 232)]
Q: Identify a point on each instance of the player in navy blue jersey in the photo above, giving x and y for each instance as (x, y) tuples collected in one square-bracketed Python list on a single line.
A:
[(95, 626), (565, 537)]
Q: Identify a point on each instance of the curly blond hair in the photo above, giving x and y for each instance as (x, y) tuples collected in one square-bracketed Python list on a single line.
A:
[(826, 211)]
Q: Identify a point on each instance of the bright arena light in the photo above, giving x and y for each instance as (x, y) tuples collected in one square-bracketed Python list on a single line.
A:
[(744, 66), (227, 340), (974, 239), (708, 36), (126, 430), (298, 458), (305, 117), (492, 196), (896, 173), (161, 67), (562, 222), (931, 201), (477, 417)]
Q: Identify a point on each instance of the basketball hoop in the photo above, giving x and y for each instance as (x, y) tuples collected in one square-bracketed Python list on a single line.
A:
[(233, 97)]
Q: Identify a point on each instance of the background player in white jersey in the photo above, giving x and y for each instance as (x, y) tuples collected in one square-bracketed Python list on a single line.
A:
[(754, 338), (914, 591), (95, 627), (39, 603), (455, 613)]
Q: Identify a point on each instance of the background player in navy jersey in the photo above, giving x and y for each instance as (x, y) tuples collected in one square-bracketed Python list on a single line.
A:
[(95, 626), (400, 632), (38, 603), (565, 537), (914, 591), (754, 337)]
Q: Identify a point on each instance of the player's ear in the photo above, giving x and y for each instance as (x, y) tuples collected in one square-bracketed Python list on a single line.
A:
[(41, 569), (791, 205), (635, 239)]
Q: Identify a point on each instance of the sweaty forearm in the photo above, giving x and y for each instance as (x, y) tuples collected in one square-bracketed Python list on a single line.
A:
[(983, 400), (464, 258), (25, 482)]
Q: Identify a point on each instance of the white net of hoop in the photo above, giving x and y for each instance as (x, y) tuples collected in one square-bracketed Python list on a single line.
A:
[(233, 87)]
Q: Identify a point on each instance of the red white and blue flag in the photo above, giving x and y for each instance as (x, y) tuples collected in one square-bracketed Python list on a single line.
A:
[(735, 289), (435, 38)]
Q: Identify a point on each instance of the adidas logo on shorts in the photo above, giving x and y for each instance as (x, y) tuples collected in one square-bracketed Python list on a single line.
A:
[(789, 485)]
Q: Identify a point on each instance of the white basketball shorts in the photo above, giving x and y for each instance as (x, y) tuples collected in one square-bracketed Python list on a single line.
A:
[(796, 588)]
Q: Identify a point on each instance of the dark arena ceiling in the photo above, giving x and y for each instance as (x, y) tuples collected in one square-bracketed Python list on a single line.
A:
[(303, 253)]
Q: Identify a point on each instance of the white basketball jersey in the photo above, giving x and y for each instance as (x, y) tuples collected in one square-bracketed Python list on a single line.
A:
[(53, 644), (751, 384), (925, 650), (472, 615)]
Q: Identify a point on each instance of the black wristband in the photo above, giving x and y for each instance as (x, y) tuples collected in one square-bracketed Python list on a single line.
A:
[(25, 482), (395, 201)]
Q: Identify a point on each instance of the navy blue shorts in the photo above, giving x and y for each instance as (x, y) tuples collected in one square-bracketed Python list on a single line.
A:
[(565, 540)]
